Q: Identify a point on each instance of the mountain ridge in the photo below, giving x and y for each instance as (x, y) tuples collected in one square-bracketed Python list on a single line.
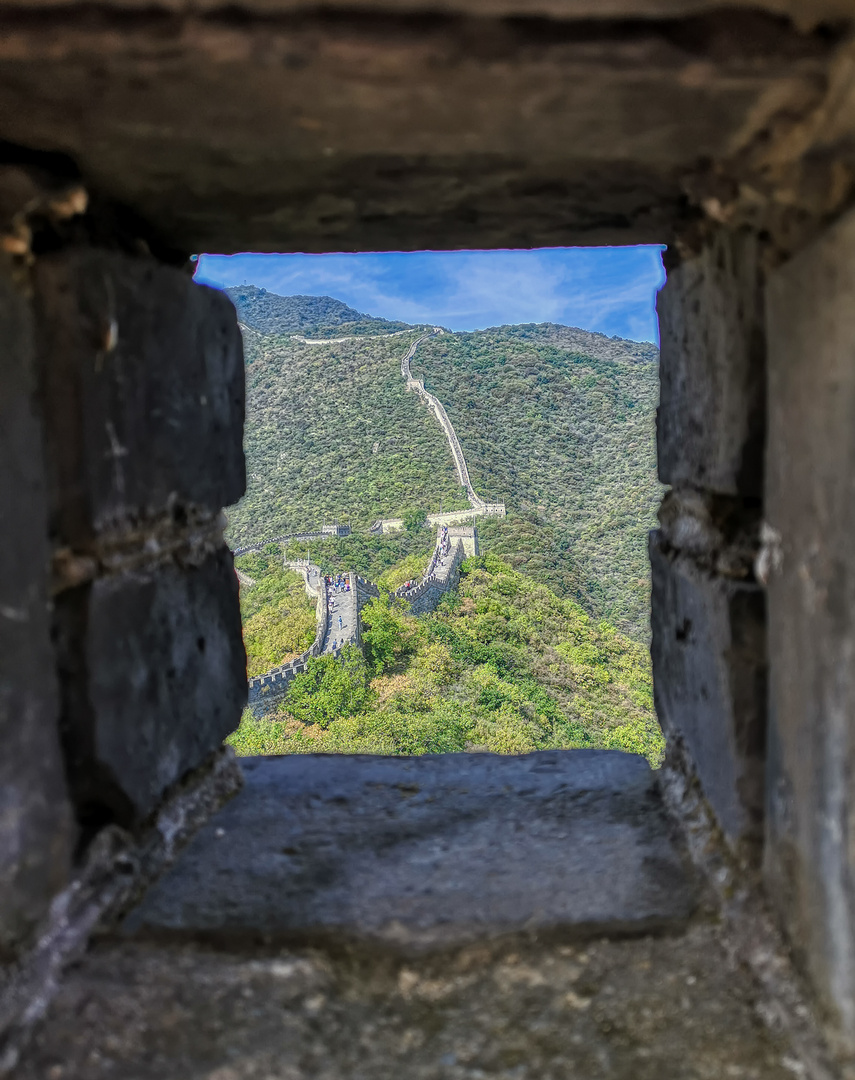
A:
[(277, 313), (272, 313), (557, 421)]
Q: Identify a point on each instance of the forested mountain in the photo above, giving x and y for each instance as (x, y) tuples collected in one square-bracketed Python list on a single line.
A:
[(332, 432), (278, 617), (504, 665), (528, 654), (305, 315), (559, 422), (556, 421)]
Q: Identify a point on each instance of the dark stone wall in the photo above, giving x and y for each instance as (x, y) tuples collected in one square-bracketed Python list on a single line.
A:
[(810, 852), (143, 394), (142, 390), (121, 424), (708, 611), (36, 830), (274, 130), (153, 675), (711, 427), (709, 655)]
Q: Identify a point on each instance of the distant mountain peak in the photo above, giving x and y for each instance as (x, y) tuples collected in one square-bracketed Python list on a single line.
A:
[(274, 314)]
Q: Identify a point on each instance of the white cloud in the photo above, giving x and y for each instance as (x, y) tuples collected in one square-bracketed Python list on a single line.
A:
[(607, 289)]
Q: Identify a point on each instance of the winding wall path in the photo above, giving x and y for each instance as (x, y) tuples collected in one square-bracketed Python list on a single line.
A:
[(338, 613), (479, 505), (338, 608)]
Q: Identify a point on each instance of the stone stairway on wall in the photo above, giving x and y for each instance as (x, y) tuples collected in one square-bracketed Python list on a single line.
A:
[(441, 575)]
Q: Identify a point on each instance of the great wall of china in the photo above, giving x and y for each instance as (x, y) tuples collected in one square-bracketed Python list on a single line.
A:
[(327, 532), (479, 505), (441, 575)]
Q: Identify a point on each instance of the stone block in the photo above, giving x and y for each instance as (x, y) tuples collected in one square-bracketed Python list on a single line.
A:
[(154, 677), (810, 513), (36, 836), (711, 420), (429, 852), (709, 675), (142, 378)]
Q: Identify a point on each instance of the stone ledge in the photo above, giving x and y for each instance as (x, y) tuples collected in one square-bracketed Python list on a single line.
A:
[(430, 852)]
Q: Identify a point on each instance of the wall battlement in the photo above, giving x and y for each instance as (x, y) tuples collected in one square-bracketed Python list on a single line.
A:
[(442, 574), (327, 532), (272, 685)]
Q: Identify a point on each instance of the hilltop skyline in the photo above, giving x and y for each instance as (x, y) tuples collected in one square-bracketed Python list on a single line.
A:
[(606, 290)]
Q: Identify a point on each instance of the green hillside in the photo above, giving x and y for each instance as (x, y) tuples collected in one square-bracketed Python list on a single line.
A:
[(556, 421), (278, 616), (542, 645), (560, 423), (504, 666), (332, 432)]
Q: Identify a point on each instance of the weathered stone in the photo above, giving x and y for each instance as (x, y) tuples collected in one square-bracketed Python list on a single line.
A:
[(711, 420), (720, 533), (649, 1008), (143, 391), (805, 13), (153, 678), (709, 677), (281, 134), (810, 510), (428, 852), (35, 822)]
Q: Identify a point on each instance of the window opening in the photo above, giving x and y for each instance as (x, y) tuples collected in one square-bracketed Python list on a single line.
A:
[(442, 546)]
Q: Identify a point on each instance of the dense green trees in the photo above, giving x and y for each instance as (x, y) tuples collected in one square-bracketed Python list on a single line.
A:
[(332, 433), (372, 557), (278, 617), (505, 665), (331, 688), (560, 423)]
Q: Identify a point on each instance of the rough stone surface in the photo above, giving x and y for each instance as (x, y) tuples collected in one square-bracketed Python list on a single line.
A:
[(428, 852), (719, 533), (143, 387), (319, 131), (810, 864), (35, 823), (709, 677), (108, 876), (711, 420), (806, 13), (153, 679), (671, 1008)]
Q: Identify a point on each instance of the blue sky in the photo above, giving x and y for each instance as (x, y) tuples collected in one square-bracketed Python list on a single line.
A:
[(611, 290)]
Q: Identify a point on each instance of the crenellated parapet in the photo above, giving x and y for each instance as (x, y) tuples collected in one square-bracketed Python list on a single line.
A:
[(327, 532), (441, 575), (272, 685)]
